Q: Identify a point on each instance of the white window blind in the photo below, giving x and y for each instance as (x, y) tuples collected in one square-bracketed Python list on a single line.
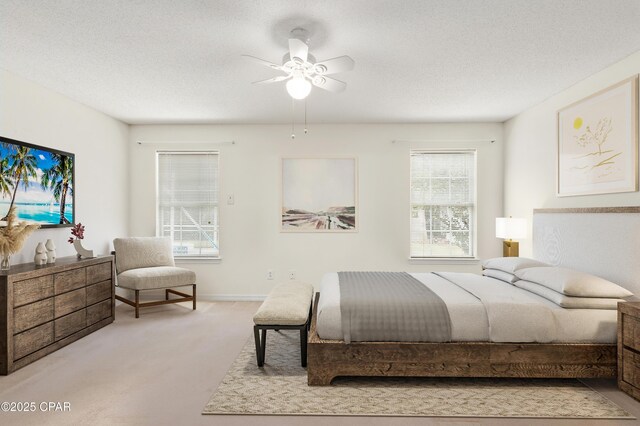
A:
[(187, 209), (443, 203)]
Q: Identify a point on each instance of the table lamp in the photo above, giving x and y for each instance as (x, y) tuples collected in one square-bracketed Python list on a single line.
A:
[(510, 228)]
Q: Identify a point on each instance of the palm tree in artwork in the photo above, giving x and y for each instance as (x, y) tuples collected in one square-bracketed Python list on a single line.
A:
[(5, 177), (59, 178), (6, 181), (23, 167)]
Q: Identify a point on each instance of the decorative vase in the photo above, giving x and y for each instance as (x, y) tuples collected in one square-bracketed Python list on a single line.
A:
[(51, 251), (5, 264), (82, 252), (41, 255)]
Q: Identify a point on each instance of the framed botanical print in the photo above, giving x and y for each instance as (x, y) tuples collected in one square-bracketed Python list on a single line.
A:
[(598, 142)]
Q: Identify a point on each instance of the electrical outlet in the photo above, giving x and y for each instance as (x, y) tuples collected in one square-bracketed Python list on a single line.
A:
[(269, 274), (230, 199), (292, 274)]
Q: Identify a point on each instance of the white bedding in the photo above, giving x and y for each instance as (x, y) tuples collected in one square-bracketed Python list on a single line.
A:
[(486, 309)]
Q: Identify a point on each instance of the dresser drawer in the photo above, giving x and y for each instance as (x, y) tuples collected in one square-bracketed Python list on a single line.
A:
[(70, 302), (32, 340), (69, 280), (98, 312), (71, 323), (32, 290), (98, 292), (33, 314), (97, 273), (631, 332)]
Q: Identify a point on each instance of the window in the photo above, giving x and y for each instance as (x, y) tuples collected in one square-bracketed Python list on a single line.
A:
[(442, 203), (187, 209)]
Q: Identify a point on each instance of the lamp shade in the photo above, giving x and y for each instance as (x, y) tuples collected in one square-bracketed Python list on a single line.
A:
[(511, 227)]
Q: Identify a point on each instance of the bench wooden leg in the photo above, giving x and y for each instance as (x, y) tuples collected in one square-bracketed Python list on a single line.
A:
[(260, 338), (264, 344), (303, 345), (137, 304), (259, 354), (194, 297)]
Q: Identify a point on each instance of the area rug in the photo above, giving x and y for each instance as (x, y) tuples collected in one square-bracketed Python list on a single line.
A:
[(280, 388)]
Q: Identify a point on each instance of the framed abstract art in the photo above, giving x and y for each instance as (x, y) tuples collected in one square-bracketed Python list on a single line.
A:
[(319, 195)]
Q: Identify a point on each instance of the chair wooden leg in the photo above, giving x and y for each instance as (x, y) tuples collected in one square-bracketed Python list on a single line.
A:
[(166, 294), (194, 297), (135, 302)]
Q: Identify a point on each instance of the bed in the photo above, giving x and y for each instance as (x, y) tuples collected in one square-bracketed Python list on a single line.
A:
[(603, 241)]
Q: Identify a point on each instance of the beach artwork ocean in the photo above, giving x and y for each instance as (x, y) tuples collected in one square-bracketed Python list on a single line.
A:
[(37, 182)]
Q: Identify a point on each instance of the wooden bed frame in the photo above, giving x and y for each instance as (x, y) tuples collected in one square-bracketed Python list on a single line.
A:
[(328, 359)]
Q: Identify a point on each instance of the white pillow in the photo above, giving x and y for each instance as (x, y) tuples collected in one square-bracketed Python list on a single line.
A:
[(500, 275), (510, 264), (572, 283), (569, 302)]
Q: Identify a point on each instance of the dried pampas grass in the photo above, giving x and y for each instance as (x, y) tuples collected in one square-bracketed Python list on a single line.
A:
[(14, 235)]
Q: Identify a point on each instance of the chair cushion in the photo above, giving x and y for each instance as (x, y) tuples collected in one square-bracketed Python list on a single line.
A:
[(287, 304), (142, 252), (153, 278)]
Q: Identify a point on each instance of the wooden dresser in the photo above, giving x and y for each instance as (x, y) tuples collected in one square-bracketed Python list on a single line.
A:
[(43, 308), (629, 348)]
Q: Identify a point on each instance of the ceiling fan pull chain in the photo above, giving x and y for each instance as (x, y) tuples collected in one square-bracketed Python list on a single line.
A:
[(305, 116), (293, 110)]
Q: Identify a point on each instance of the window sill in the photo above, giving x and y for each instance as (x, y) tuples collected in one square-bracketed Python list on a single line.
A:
[(197, 260), (445, 260)]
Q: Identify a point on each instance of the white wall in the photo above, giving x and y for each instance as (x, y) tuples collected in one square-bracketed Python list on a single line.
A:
[(34, 114), (250, 239), (530, 151)]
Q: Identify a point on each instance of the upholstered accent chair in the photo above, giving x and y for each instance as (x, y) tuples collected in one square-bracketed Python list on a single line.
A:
[(146, 263)]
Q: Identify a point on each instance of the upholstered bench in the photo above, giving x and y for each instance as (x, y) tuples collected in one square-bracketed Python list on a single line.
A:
[(288, 306)]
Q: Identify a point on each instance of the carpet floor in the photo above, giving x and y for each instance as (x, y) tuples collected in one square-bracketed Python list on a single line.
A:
[(280, 388)]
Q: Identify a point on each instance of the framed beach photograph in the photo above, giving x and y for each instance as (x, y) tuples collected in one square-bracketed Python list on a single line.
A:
[(598, 142), (319, 195), (38, 182)]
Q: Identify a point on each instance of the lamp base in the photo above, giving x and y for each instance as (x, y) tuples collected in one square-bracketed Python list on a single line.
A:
[(510, 248)]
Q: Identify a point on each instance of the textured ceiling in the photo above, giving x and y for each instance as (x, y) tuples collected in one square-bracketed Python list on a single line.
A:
[(178, 61)]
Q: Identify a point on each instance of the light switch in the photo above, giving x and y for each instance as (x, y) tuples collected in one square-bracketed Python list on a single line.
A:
[(230, 199)]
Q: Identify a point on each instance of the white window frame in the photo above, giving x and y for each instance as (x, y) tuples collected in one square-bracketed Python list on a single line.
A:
[(218, 204), (473, 221)]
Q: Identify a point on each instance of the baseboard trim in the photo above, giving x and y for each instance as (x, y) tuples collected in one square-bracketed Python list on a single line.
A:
[(232, 297)]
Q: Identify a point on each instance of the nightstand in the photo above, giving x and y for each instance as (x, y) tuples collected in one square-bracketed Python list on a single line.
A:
[(629, 348)]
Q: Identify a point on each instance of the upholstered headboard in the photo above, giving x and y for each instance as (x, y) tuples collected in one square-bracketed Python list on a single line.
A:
[(600, 241)]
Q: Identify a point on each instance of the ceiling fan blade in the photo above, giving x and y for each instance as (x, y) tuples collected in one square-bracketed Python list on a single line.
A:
[(298, 49), (273, 80), (263, 62), (336, 65), (330, 84)]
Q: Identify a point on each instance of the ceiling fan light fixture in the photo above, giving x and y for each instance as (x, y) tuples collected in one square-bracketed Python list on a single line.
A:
[(302, 71), (298, 87)]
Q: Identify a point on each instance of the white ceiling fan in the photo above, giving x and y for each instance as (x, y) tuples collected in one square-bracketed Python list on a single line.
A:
[(302, 71)]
